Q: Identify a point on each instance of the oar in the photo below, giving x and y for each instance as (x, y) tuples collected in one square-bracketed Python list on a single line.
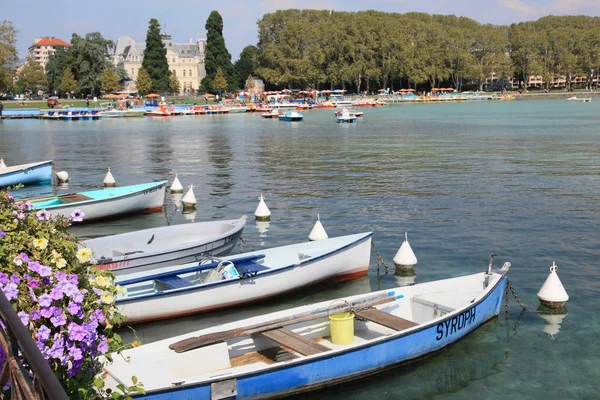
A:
[(210, 338)]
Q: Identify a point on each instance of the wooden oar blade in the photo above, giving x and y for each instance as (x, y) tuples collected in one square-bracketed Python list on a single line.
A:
[(204, 340)]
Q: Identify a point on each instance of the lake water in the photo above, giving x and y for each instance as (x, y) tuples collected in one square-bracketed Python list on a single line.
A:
[(516, 178)]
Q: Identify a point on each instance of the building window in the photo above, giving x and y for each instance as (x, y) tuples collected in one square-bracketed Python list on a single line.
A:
[(184, 72), (190, 72), (174, 73), (132, 71)]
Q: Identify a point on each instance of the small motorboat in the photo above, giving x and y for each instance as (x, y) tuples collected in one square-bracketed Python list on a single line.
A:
[(135, 112), (304, 106), (271, 114), (345, 116), (148, 249), (291, 116), (38, 172), (237, 109), (580, 99), (314, 346), (218, 283), (161, 111), (105, 203)]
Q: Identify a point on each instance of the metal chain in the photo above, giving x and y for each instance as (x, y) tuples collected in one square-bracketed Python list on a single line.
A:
[(506, 306), (515, 294), (242, 243), (379, 259)]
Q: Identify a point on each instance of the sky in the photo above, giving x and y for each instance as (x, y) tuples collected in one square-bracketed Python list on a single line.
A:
[(185, 19)]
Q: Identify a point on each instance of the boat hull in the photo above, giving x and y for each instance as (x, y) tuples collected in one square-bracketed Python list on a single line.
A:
[(349, 262), (26, 174), (218, 244)]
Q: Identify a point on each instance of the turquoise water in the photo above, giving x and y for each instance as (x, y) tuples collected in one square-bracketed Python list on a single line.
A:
[(516, 178)]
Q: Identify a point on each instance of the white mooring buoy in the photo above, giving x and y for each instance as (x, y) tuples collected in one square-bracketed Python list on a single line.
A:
[(405, 259), (2, 165), (176, 186), (189, 200), (262, 211), (318, 232), (553, 294), (62, 177), (109, 180)]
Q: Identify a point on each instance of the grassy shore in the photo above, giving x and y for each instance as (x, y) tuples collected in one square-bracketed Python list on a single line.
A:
[(42, 104)]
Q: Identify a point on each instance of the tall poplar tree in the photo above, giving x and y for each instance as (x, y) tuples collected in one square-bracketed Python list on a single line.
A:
[(216, 55), (143, 82), (55, 68), (155, 58)]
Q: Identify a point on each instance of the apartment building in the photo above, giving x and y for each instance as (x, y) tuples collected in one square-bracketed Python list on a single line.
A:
[(44, 47)]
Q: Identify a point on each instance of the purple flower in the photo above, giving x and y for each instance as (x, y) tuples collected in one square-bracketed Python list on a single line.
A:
[(77, 215), (24, 317), (56, 293), (35, 315), (10, 197), (73, 279), (97, 291), (60, 276), (15, 279), (43, 333), (45, 300), (75, 352), (3, 278), (97, 315), (10, 291), (32, 295), (73, 308), (24, 257), (45, 270), (46, 312), (34, 283), (2, 233), (57, 350), (29, 205), (103, 346), (43, 215), (46, 281), (58, 320), (33, 265), (76, 332)]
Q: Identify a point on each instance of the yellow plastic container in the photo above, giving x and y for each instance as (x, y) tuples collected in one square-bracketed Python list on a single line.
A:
[(342, 328)]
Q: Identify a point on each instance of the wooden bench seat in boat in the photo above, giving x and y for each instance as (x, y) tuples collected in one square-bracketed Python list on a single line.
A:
[(174, 282), (294, 342), (74, 197), (385, 319), (249, 268)]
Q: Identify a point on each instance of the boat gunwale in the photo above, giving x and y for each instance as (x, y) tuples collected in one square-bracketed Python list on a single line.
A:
[(156, 185), (24, 167), (236, 280), (233, 231), (359, 347)]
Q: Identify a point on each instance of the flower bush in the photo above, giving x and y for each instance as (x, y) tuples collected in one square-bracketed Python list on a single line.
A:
[(66, 303)]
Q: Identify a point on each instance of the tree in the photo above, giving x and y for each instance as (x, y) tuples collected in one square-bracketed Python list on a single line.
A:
[(122, 76), (155, 58), (174, 85), (8, 53), (143, 82), (88, 59), (68, 84), (55, 68), (32, 76), (110, 82), (247, 63), (220, 82), (216, 55)]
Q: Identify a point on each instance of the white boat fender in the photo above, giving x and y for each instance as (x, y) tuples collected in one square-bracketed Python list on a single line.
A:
[(405, 258), (262, 211), (553, 293), (189, 200), (62, 177), (227, 270), (2, 165), (176, 186), (318, 232), (109, 180)]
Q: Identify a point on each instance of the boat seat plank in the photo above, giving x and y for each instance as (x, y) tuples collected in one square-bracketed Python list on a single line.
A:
[(295, 342), (174, 282), (73, 197), (386, 319), (250, 268)]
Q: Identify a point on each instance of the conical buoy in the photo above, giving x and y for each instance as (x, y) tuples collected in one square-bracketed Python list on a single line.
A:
[(405, 259), (262, 211), (62, 177), (553, 294), (189, 200), (176, 186), (109, 180), (2, 165), (318, 232)]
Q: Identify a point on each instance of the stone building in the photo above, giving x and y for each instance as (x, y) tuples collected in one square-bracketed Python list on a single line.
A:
[(186, 60), (43, 48)]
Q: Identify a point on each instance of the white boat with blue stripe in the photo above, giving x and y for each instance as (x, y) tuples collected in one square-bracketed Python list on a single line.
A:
[(148, 249), (218, 283), (293, 351), (105, 203), (38, 172)]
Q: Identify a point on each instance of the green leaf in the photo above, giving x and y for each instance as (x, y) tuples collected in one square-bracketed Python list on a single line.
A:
[(134, 379)]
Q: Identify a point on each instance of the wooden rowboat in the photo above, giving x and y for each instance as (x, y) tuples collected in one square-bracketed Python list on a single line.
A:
[(306, 348), (148, 249), (105, 203), (26, 173), (214, 284)]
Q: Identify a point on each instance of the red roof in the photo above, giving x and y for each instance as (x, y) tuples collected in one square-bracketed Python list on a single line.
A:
[(50, 41)]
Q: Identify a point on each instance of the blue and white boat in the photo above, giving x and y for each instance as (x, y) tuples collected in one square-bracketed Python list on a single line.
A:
[(345, 116), (39, 172), (105, 203), (306, 348), (291, 116)]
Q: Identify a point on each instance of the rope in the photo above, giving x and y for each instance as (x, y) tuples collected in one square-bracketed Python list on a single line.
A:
[(242, 243)]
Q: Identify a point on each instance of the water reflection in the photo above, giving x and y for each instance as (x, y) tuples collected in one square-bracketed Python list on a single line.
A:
[(220, 155), (553, 319), (405, 278)]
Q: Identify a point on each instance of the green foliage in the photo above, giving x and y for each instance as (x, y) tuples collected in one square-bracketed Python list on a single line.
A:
[(247, 64), (32, 76), (155, 59), (174, 85), (216, 55), (143, 82), (8, 53), (122, 76), (220, 82), (88, 58), (55, 68), (68, 83), (110, 82)]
